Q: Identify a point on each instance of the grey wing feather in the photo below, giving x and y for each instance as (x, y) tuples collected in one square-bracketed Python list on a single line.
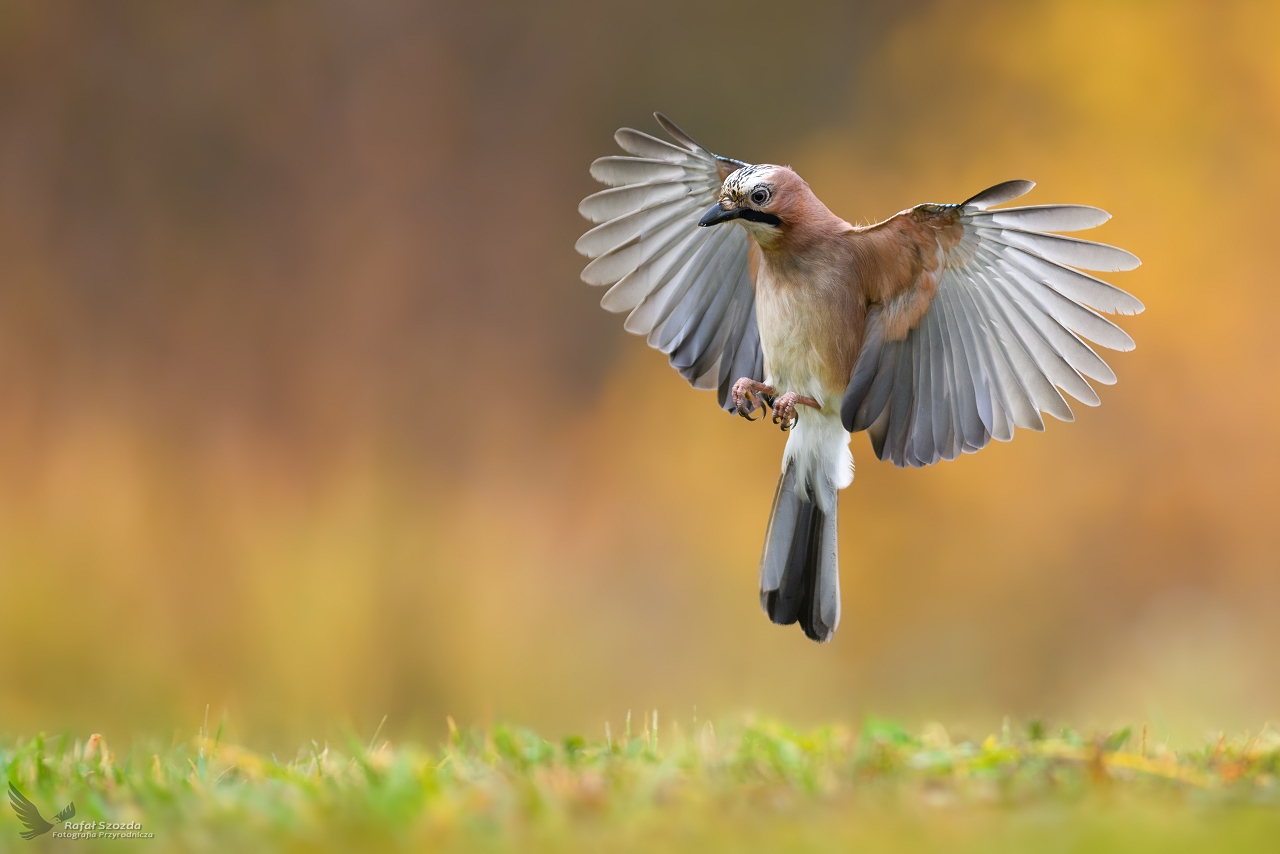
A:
[(687, 289), (1003, 338), (1070, 251), (868, 382), (620, 201), (617, 171), (964, 380), (971, 376), (747, 359), (1050, 217), (921, 446), (898, 408), (939, 366), (998, 195)]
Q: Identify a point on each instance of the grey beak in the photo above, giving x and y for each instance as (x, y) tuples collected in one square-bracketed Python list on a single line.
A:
[(716, 215)]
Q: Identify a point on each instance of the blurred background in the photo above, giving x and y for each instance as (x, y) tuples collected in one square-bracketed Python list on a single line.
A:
[(306, 416)]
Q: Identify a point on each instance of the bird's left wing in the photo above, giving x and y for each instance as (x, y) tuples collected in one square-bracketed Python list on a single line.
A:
[(688, 289), (980, 322)]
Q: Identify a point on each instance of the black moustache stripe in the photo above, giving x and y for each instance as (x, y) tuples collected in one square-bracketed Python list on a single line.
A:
[(759, 216)]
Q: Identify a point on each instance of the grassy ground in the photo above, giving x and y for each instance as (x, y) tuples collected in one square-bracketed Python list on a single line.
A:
[(752, 786)]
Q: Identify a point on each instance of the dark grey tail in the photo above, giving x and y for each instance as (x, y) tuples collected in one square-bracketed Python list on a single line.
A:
[(800, 570)]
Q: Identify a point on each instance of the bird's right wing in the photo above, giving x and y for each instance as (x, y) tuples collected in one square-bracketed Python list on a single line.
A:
[(981, 319), (688, 289)]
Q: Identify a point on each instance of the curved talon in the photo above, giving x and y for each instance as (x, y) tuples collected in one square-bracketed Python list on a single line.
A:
[(785, 411), (748, 394)]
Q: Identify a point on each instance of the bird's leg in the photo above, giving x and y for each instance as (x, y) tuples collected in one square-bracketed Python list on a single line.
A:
[(748, 394), (784, 408)]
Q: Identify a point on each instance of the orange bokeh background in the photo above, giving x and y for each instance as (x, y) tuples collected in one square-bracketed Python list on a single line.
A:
[(305, 415)]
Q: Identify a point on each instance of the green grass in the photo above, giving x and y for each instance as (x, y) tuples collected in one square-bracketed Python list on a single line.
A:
[(750, 786)]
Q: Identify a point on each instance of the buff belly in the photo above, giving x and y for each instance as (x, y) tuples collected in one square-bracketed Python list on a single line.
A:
[(794, 323)]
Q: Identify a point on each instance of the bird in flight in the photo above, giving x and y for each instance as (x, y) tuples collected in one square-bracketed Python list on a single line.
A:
[(30, 816), (936, 330)]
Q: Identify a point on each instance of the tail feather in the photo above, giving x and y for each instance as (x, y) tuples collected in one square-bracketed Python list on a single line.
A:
[(799, 570)]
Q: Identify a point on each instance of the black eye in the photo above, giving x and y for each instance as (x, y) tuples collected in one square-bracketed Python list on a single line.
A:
[(759, 196)]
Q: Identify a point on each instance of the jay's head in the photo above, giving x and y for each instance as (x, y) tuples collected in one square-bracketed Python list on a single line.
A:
[(765, 199)]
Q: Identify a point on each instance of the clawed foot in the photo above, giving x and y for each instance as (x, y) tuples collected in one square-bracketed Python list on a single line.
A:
[(749, 394), (784, 408)]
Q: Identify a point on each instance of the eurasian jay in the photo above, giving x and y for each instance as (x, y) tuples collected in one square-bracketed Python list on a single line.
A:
[(936, 330)]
